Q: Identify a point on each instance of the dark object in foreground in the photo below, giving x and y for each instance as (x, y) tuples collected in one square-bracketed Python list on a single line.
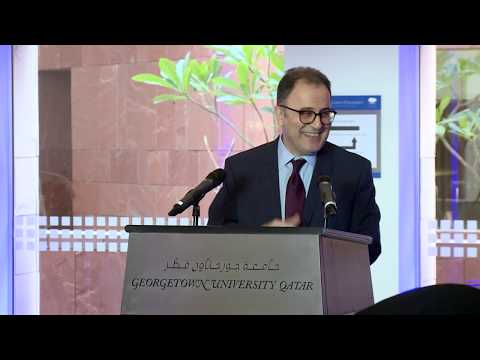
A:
[(444, 299)]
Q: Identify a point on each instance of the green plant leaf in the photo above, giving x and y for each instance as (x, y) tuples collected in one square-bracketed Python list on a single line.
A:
[(204, 71), (463, 121), (196, 69), (440, 130), (168, 70), (214, 68), (448, 120), (198, 84), (232, 99), (230, 60), (242, 75), (168, 97), (183, 71), (454, 128), (237, 53), (261, 50), (248, 53), (187, 77), (152, 79), (179, 70), (441, 107), (226, 82), (278, 61), (469, 135), (253, 82)]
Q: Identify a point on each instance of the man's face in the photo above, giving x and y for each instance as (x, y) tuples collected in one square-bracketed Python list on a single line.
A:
[(303, 139)]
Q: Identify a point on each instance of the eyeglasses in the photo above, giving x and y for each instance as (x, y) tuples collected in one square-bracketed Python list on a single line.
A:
[(308, 116)]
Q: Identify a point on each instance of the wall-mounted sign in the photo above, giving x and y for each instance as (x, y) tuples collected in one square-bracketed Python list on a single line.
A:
[(357, 126)]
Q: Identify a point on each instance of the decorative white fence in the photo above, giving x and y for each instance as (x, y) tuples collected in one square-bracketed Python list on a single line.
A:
[(95, 233), (447, 238), (457, 238)]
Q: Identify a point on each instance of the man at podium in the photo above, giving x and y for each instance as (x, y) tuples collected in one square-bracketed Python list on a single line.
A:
[(276, 184)]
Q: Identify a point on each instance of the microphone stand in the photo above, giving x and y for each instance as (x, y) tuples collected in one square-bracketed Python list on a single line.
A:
[(326, 214), (196, 213), (196, 210)]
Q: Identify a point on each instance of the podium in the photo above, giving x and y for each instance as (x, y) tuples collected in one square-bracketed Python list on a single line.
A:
[(209, 270)]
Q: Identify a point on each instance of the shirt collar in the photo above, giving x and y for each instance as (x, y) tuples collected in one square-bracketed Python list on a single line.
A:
[(284, 156)]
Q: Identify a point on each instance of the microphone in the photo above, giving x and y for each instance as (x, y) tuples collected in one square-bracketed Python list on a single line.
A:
[(327, 195), (196, 194)]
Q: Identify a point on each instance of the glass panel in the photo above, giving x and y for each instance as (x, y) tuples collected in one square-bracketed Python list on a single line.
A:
[(123, 137), (458, 165)]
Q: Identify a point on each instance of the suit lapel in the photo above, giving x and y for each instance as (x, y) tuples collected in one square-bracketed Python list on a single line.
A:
[(270, 190), (323, 166)]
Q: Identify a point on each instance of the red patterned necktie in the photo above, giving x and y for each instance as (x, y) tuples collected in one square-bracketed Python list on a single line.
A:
[(295, 197)]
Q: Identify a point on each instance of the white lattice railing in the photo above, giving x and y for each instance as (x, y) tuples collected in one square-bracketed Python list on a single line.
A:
[(447, 238), (95, 233), (456, 238)]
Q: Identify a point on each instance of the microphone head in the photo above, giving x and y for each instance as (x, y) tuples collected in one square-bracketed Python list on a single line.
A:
[(175, 210), (217, 176), (327, 195)]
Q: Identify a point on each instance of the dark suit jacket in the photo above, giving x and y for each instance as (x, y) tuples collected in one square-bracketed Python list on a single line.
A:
[(250, 194)]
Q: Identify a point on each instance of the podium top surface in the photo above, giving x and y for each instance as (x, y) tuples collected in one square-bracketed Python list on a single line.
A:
[(329, 233)]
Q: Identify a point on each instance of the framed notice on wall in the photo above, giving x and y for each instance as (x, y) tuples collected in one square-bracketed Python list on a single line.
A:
[(357, 127)]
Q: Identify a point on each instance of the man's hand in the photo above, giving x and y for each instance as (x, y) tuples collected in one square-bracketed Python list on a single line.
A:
[(289, 222)]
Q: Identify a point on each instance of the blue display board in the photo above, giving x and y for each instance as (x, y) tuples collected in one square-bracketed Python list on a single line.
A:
[(357, 127)]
